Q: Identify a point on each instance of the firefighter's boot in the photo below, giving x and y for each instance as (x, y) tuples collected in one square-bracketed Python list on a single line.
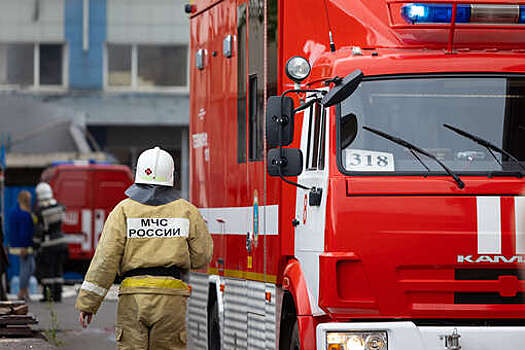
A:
[(57, 292), (47, 292)]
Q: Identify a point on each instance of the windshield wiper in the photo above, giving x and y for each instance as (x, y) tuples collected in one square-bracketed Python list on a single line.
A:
[(489, 146), (414, 148)]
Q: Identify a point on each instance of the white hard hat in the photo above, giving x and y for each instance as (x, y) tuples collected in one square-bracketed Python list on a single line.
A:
[(155, 167), (43, 191)]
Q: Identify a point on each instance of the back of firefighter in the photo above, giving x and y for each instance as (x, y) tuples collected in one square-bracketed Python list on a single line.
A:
[(50, 243), (150, 239)]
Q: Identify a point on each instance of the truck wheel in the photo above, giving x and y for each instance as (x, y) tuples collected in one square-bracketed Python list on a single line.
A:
[(214, 330), (295, 343)]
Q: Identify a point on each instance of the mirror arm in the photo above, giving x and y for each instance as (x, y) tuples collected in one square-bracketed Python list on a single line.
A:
[(291, 182), (284, 121), (281, 161), (306, 105), (309, 103), (322, 92)]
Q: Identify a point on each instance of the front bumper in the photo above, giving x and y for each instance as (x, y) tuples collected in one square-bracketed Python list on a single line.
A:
[(408, 336)]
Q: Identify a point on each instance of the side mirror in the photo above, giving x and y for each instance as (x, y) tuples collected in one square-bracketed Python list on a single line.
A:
[(291, 163), (343, 90), (279, 116), (348, 130)]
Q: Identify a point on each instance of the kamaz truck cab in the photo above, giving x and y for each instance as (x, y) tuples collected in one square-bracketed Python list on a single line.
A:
[(361, 167), (410, 165)]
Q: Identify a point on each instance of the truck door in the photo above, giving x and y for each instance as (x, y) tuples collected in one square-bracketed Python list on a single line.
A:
[(309, 234), (250, 170)]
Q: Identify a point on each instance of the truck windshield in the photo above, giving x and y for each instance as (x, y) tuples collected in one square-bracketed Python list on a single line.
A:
[(415, 109)]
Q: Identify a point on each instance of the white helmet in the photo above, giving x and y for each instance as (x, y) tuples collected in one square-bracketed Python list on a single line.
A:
[(43, 191), (155, 167)]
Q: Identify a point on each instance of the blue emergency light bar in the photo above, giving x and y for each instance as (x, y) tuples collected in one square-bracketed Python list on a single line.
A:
[(465, 13)]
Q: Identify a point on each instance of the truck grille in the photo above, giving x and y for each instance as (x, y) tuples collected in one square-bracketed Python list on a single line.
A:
[(485, 274), (486, 297)]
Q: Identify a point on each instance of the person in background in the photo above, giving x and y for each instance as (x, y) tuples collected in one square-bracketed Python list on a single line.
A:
[(20, 236), (4, 263), (50, 243)]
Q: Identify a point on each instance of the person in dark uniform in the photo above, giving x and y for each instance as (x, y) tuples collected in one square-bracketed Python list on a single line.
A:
[(4, 263), (50, 243)]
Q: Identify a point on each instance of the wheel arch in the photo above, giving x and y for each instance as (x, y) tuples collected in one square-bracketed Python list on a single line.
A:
[(295, 307), (295, 283)]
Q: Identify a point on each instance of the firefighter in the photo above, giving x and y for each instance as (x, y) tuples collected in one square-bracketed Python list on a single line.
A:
[(150, 239), (50, 243)]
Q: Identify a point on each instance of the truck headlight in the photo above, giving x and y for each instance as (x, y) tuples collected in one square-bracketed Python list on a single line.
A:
[(297, 69), (356, 341)]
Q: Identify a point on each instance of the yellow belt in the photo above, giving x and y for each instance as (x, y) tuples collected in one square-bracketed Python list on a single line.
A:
[(18, 250), (153, 282)]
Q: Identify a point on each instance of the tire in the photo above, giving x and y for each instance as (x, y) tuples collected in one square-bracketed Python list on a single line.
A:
[(214, 330), (295, 343)]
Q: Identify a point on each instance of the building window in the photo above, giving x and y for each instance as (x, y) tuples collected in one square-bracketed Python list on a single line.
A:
[(119, 65), (16, 64), (162, 66), (32, 65), (147, 67), (50, 64)]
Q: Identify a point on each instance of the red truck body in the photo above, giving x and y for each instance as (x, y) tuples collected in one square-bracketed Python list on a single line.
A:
[(89, 193), (402, 245)]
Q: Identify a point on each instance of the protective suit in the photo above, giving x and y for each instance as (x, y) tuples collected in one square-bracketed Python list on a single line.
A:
[(50, 244), (150, 239)]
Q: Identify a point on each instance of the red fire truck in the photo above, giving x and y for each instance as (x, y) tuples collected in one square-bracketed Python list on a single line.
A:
[(89, 192), (360, 166)]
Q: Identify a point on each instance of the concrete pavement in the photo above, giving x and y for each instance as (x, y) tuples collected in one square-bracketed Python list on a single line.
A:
[(61, 319)]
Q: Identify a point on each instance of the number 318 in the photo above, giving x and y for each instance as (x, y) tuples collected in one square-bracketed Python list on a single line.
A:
[(357, 159)]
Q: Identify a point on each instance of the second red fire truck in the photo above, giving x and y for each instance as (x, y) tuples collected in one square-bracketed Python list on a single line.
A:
[(89, 192), (360, 165)]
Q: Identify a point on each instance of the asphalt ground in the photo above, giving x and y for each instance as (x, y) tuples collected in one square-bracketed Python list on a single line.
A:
[(59, 323)]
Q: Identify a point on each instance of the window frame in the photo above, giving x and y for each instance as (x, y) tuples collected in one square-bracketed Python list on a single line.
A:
[(338, 116), (134, 87), (255, 132), (316, 113), (36, 86)]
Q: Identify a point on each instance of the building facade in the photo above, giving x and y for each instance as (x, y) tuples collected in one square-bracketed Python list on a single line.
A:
[(120, 66)]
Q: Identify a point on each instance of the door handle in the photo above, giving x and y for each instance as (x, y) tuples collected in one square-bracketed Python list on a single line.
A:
[(248, 242), (314, 199)]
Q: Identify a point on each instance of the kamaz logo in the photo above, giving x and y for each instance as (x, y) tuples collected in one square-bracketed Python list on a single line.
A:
[(494, 259)]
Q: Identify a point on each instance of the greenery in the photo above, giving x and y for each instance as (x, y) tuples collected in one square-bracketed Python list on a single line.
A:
[(52, 332)]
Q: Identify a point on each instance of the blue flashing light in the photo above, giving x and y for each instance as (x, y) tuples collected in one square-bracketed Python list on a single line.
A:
[(522, 14), (434, 13), (80, 162)]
